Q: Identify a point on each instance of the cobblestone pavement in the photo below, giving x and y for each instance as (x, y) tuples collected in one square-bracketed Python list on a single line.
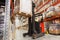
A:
[(19, 36)]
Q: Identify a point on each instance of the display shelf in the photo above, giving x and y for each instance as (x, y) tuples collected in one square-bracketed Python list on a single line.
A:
[(51, 18), (42, 9), (43, 5)]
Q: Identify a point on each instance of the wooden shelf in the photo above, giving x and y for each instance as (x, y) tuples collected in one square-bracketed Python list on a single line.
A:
[(51, 18)]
